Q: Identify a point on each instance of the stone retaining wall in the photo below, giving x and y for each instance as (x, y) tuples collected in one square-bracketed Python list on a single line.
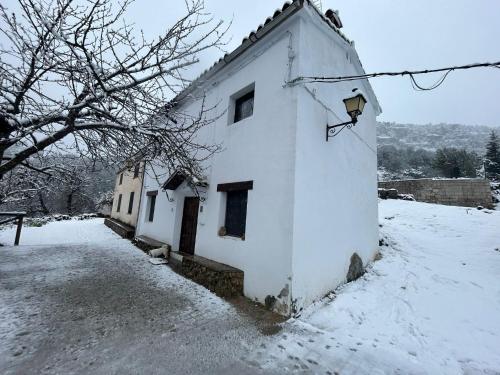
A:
[(452, 192), (121, 229), (223, 280)]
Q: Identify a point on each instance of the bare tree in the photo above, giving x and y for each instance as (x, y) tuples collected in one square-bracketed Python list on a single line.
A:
[(75, 186), (75, 70), (24, 187), (61, 183)]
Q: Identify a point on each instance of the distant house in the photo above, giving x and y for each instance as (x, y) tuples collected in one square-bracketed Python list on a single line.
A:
[(279, 203), (127, 196)]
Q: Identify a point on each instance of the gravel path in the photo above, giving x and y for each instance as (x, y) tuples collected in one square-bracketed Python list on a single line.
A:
[(100, 307)]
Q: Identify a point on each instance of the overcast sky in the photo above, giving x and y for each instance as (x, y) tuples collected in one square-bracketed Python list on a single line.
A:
[(390, 35), (394, 35)]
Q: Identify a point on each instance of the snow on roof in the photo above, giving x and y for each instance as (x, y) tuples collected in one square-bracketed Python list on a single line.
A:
[(330, 17), (178, 177)]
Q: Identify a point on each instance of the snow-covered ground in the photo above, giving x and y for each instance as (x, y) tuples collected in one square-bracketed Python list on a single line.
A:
[(75, 298), (431, 305), (61, 232)]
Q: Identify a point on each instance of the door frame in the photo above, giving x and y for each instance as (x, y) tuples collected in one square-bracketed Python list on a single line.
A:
[(191, 227)]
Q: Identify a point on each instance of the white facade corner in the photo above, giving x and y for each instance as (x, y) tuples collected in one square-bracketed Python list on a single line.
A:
[(313, 203)]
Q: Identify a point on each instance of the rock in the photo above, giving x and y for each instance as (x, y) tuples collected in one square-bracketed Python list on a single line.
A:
[(387, 193), (270, 301), (407, 197), (284, 292), (392, 194), (356, 269), (382, 193)]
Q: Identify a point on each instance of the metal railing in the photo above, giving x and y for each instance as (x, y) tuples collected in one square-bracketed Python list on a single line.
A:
[(13, 216)]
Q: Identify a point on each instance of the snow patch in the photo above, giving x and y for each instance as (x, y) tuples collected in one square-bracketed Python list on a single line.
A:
[(429, 306)]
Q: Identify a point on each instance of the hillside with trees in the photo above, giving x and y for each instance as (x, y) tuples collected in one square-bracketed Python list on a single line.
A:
[(431, 137), (407, 151)]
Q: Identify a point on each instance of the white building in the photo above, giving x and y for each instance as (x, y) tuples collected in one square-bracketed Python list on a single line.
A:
[(281, 203)]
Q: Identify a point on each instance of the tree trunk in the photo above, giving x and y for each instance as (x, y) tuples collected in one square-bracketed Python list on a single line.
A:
[(69, 203), (5, 130), (43, 206)]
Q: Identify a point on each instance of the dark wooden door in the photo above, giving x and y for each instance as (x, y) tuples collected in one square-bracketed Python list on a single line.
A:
[(189, 224)]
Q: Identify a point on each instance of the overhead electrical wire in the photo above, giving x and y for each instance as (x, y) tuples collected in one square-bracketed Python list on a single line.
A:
[(411, 74), (418, 87)]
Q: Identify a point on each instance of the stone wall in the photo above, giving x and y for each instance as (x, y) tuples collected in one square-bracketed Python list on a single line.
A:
[(223, 280), (124, 230), (452, 192)]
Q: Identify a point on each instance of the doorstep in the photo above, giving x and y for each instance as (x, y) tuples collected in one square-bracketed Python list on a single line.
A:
[(221, 279)]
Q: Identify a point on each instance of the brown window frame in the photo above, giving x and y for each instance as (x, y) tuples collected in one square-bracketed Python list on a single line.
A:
[(236, 226), (243, 185)]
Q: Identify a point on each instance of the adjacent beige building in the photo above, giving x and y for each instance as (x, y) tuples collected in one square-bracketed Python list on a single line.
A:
[(127, 194)]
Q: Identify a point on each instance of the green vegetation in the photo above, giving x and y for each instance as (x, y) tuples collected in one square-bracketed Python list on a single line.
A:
[(492, 157)]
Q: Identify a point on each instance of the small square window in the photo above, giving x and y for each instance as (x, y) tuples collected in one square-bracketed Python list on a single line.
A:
[(236, 213), (243, 106)]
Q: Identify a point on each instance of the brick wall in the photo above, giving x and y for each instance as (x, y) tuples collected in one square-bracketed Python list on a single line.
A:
[(461, 192)]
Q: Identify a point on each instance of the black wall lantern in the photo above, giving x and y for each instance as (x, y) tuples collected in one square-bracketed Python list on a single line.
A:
[(354, 107)]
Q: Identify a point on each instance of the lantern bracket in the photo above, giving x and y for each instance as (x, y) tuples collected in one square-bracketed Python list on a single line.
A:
[(334, 130)]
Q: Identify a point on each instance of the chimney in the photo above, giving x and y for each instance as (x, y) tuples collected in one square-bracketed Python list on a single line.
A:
[(334, 17)]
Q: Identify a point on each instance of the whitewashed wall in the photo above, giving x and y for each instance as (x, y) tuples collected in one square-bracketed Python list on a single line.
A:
[(259, 148), (314, 203), (335, 211)]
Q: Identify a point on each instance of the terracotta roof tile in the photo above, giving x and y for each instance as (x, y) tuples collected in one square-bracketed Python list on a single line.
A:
[(330, 17)]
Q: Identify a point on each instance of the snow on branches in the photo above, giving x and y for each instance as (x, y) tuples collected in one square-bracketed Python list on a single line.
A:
[(62, 183), (75, 70)]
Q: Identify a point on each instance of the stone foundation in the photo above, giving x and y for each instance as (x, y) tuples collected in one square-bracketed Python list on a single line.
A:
[(124, 230), (223, 280)]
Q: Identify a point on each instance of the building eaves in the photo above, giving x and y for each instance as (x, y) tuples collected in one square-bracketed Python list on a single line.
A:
[(288, 9)]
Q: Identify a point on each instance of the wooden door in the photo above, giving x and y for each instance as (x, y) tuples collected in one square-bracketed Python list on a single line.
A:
[(189, 224)]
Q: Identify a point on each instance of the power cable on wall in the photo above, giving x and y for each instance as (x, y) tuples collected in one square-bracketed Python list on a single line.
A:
[(416, 86), (411, 74)]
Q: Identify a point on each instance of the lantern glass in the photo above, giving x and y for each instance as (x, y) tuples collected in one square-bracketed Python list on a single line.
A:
[(355, 105)]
